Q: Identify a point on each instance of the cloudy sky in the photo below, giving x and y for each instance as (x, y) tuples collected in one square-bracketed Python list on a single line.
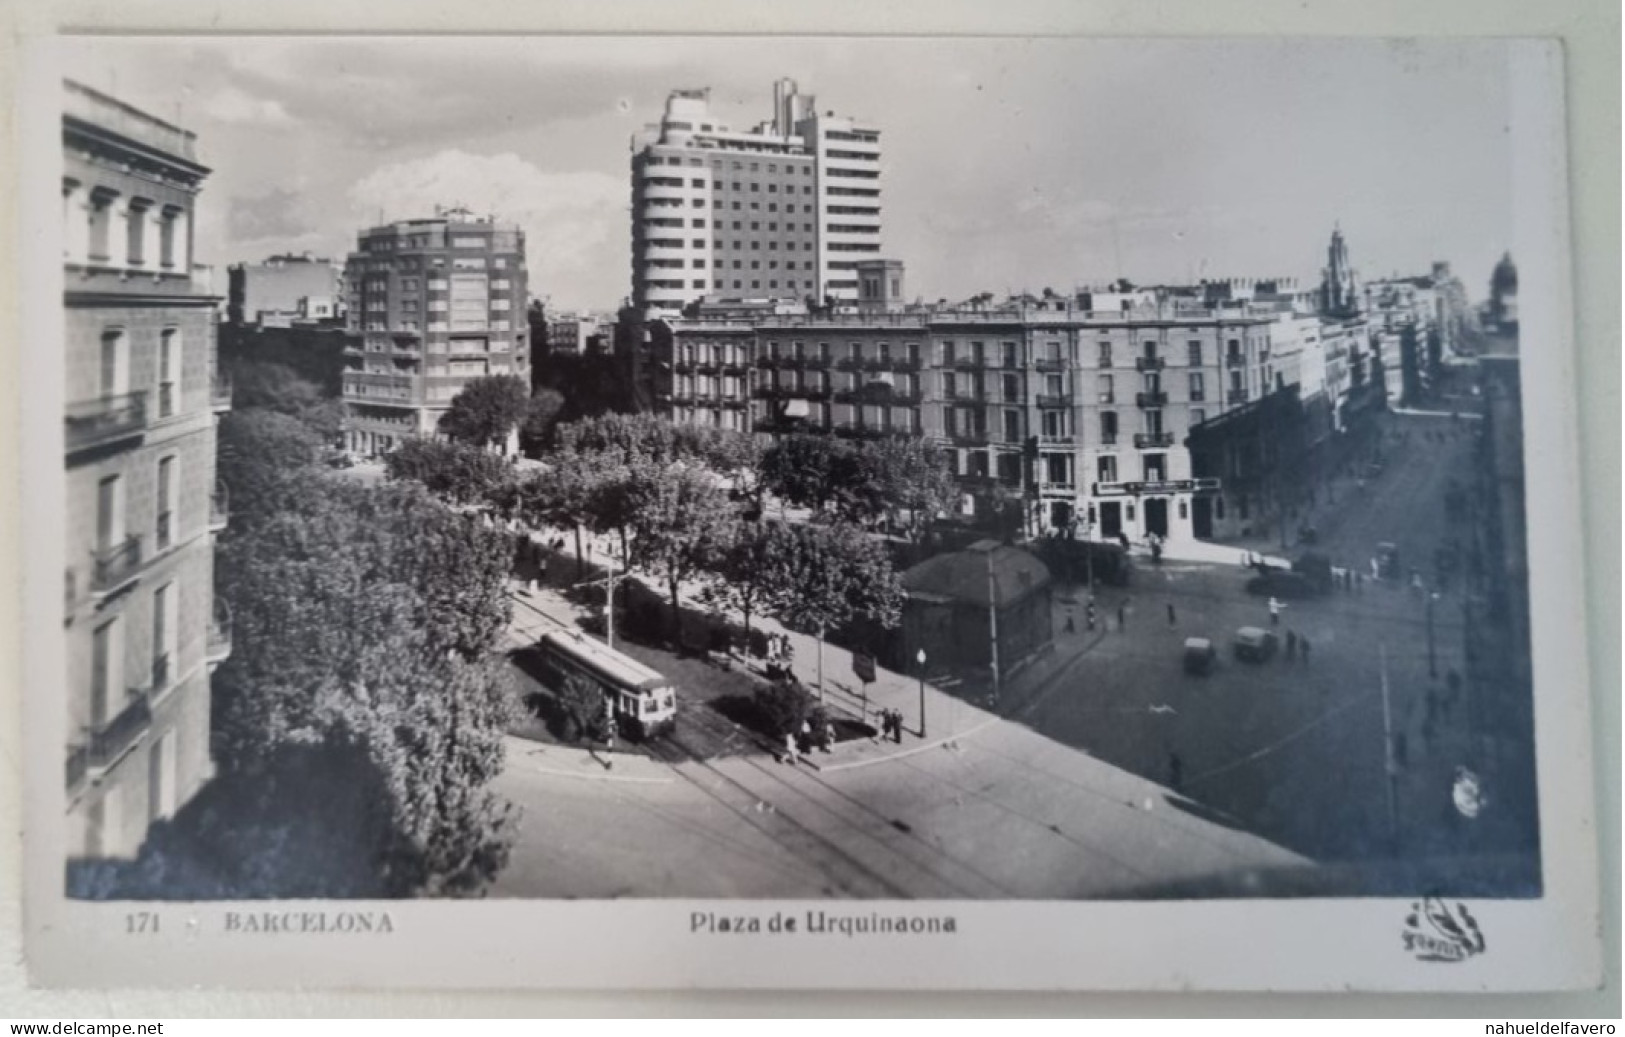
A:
[(1009, 164)]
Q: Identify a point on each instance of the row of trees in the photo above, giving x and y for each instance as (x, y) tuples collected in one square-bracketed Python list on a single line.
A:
[(677, 501)]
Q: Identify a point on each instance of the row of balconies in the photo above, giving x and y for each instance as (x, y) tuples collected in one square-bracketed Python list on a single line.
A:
[(118, 416), (115, 566), (845, 363), (977, 437), (105, 743)]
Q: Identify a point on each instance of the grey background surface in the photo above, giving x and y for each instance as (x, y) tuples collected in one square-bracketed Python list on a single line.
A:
[(1591, 32)]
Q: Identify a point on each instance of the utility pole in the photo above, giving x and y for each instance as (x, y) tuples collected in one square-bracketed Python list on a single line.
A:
[(1390, 763), (993, 623), (609, 603)]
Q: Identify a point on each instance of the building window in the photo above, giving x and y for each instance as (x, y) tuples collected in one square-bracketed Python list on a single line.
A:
[(169, 364), (106, 670), (1108, 426), (1156, 467), (114, 374), (166, 503), (1197, 392), (165, 624), (1195, 357), (1103, 383), (101, 222), (1105, 354), (168, 225)]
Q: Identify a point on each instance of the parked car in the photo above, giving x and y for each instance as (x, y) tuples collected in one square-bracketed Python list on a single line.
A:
[(1254, 644), (1283, 583), (1199, 655)]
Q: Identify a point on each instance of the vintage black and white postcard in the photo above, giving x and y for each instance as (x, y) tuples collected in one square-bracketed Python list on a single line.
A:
[(741, 512)]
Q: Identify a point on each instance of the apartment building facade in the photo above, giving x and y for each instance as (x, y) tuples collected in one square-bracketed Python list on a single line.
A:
[(433, 304), (785, 210), (142, 393), (284, 290), (1078, 417)]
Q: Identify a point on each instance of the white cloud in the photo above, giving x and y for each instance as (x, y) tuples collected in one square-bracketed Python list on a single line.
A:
[(231, 105), (575, 223)]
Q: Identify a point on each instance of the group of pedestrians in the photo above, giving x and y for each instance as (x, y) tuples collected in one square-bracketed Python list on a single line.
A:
[(891, 725)]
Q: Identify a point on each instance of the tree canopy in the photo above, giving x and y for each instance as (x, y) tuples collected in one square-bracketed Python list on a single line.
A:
[(458, 473), (487, 410), (364, 619)]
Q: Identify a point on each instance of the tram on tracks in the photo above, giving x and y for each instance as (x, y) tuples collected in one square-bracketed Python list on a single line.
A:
[(641, 699)]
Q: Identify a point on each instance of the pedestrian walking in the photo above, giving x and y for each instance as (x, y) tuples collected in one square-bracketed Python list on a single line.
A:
[(897, 726), (829, 736), (1173, 620), (1275, 611), (1069, 626), (790, 754), (806, 737), (1089, 615)]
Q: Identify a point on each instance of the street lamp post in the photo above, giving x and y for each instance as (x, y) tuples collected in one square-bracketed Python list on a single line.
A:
[(919, 657)]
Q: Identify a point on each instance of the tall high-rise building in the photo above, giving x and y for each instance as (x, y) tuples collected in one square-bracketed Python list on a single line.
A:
[(433, 304), (786, 210), (143, 391)]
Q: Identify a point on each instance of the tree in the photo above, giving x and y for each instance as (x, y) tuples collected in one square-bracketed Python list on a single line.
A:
[(541, 414), (582, 702), (744, 574), (487, 410), (907, 480), (365, 619), (678, 521), (259, 450), (458, 473), (279, 388), (830, 575), (808, 471), (783, 706)]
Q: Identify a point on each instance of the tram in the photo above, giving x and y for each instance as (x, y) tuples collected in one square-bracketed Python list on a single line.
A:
[(641, 699)]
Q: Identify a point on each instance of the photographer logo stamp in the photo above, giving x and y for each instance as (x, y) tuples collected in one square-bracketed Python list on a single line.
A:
[(1435, 931)]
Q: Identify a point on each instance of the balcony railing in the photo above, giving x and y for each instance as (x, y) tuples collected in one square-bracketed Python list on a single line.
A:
[(1148, 363), (93, 422), (1238, 395), (114, 738), (218, 645), (1058, 486), (1057, 440), (1048, 400), (1235, 360), (219, 508), (220, 391), (1050, 363), (1144, 440), (1198, 396), (1150, 399), (115, 565), (1108, 439)]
